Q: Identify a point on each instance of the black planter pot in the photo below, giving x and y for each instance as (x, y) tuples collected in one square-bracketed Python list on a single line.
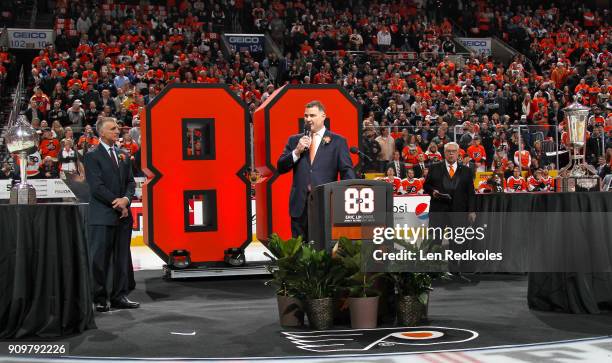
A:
[(410, 311), (320, 313)]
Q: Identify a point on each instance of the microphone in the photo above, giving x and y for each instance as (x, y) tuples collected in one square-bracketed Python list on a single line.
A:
[(307, 129), (355, 150)]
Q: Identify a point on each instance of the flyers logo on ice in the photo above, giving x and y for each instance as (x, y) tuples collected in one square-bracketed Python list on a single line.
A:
[(382, 340)]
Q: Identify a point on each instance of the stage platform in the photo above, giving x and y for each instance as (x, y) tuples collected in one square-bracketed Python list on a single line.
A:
[(237, 318)]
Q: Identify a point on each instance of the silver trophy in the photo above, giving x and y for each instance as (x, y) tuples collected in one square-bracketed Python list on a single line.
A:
[(578, 175), (21, 138)]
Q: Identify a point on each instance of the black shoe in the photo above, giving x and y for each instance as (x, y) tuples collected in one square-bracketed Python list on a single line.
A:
[(102, 307), (124, 303)]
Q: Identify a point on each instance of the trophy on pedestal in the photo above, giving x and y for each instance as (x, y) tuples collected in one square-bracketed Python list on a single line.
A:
[(21, 138), (577, 175)]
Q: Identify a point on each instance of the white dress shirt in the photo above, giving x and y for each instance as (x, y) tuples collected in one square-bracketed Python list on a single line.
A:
[(316, 138), (107, 148)]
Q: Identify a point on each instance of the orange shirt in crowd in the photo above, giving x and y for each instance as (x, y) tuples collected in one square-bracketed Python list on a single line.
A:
[(49, 148), (412, 158), (525, 158), (581, 87), (396, 182), (414, 186), (89, 140), (434, 157), (477, 153), (131, 147), (516, 184), (72, 81)]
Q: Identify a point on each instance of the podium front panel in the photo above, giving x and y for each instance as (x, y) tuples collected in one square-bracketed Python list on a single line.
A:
[(349, 208)]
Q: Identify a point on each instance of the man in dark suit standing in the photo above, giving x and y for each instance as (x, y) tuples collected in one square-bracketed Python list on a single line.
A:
[(315, 157), (398, 165), (420, 166), (111, 183), (451, 187)]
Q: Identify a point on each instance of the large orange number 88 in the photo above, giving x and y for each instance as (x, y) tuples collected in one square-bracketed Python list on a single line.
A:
[(196, 146), (195, 149)]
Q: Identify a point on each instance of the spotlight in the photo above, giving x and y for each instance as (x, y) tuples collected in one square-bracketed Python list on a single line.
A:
[(235, 257), (179, 259)]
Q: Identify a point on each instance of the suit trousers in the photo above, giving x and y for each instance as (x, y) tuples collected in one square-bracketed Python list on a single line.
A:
[(112, 276), (299, 225), (453, 220)]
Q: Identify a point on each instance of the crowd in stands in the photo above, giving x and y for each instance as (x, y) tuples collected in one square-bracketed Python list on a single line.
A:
[(113, 59), (10, 9)]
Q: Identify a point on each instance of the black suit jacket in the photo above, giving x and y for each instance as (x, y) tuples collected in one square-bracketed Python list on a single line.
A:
[(107, 181), (418, 171), (402, 167), (460, 188), (29, 115), (594, 149), (331, 159)]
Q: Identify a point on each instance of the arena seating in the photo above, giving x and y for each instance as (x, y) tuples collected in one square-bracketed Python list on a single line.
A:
[(397, 59)]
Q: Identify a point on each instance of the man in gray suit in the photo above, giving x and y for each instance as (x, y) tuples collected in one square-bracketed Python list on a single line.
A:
[(111, 183)]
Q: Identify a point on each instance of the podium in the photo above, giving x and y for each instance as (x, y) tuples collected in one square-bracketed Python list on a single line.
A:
[(348, 208)]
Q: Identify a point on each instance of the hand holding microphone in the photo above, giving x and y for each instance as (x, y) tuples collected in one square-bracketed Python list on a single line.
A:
[(304, 142)]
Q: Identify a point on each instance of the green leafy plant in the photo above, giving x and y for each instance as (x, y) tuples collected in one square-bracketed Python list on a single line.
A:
[(358, 282), (284, 272), (413, 284), (419, 282), (318, 274)]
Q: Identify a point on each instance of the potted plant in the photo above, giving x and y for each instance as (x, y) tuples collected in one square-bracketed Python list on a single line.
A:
[(413, 296), (413, 288), (319, 275), (363, 297), (285, 254)]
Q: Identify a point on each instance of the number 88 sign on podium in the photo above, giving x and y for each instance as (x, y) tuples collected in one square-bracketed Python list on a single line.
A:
[(349, 208)]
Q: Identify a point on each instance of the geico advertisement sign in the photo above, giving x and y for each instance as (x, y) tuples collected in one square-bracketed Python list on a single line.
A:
[(36, 34), (475, 43), (248, 40), (28, 35), (244, 38)]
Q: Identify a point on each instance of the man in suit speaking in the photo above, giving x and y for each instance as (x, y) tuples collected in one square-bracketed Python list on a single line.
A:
[(111, 183), (316, 157), (451, 187)]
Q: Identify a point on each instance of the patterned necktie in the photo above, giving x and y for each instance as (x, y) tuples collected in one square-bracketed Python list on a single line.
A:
[(451, 171)]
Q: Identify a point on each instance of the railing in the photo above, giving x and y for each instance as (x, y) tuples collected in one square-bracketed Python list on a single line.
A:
[(34, 14), (409, 56), (4, 42), (550, 145)]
